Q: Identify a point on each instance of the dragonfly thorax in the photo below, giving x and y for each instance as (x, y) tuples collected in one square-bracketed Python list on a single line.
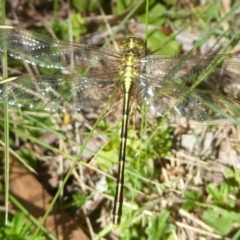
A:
[(129, 67)]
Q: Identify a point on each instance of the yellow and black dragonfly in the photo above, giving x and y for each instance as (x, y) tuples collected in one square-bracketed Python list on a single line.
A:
[(183, 88)]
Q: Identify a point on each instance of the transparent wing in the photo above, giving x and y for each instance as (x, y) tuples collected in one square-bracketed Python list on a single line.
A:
[(58, 93), (39, 50), (181, 65), (166, 88)]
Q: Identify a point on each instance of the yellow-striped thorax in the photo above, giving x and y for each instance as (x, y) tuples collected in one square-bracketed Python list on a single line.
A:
[(129, 67)]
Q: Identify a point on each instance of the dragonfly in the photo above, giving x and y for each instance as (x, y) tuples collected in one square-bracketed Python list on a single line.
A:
[(192, 89)]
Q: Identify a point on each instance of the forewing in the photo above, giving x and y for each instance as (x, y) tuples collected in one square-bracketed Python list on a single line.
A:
[(179, 65), (43, 51)]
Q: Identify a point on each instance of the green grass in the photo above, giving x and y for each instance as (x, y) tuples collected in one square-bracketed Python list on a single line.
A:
[(6, 131), (152, 205)]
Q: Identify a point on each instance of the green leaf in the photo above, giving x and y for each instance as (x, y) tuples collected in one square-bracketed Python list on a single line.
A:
[(209, 12), (213, 190), (18, 229), (193, 195), (233, 176), (86, 5), (81, 5), (122, 5), (220, 195), (157, 15), (159, 227), (222, 225), (78, 25), (18, 223), (105, 155), (162, 44), (79, 199)]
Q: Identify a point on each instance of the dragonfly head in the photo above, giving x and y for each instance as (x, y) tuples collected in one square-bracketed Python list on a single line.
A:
[(132, 42)]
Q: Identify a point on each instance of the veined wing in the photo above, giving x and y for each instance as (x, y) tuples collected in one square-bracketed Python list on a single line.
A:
[(58, 92), (43, 51), (166, 88), (196, 107), (180, 65)]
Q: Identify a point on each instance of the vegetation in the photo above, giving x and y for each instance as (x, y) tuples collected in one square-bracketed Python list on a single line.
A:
[(181, 182)]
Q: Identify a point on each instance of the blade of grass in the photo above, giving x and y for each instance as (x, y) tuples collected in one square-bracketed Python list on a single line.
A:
[(6, 125)]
